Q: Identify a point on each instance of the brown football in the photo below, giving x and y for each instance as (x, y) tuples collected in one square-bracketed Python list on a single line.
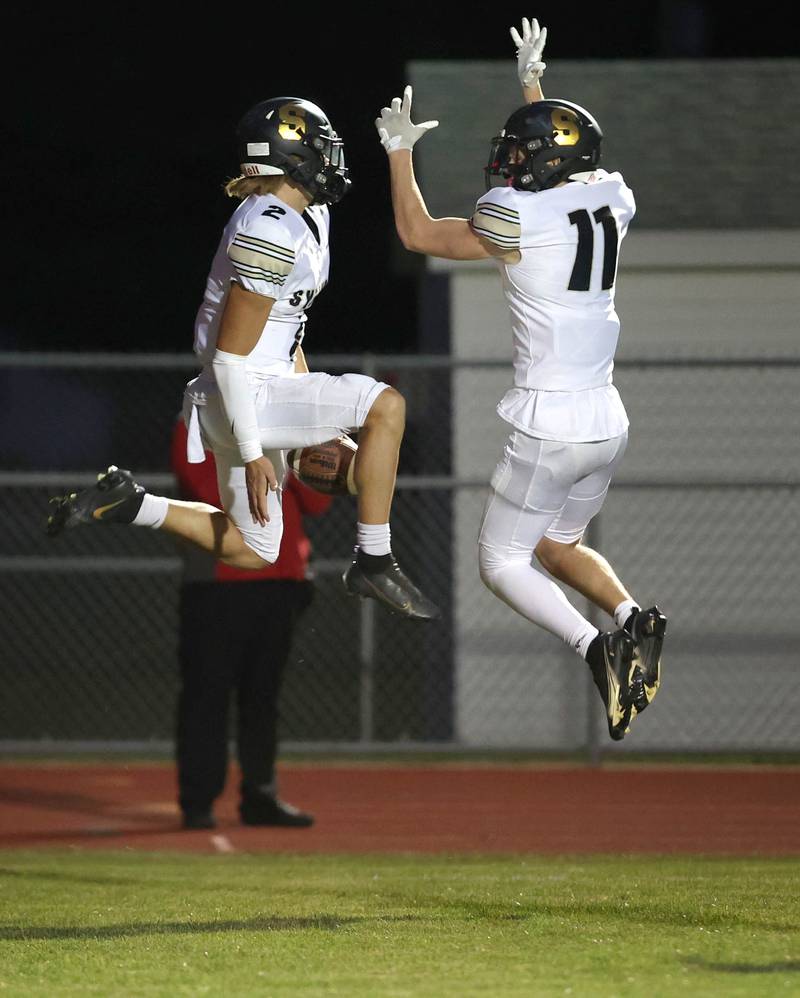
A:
[(327, 467)]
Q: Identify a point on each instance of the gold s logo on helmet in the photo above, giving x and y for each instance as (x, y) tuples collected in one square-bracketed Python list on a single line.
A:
[(292, 126), (565, 123)]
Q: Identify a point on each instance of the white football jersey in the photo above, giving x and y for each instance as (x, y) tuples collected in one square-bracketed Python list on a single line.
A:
[(269, 248), (561, 298)]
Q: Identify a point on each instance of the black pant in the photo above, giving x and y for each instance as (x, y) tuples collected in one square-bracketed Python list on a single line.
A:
[(233, 636)]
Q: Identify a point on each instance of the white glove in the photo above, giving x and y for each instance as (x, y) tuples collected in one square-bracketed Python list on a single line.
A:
[(529, 51), (395, 127)]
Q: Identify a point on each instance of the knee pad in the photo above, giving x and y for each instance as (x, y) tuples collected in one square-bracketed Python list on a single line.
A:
[(490, 563)]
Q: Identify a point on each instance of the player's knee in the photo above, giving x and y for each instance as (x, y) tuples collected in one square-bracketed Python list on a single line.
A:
[(490, 564), (389, 409), (258, 551), (552, 554), (248, 560)]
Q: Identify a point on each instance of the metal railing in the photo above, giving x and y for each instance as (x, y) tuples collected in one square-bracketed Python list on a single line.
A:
[(89, 624)]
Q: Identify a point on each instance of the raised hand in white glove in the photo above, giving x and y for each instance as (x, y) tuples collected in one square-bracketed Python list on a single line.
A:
[(530, 46), (395, 127)]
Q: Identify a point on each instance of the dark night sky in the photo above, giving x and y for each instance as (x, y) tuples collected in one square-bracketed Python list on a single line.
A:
[(118, 134)]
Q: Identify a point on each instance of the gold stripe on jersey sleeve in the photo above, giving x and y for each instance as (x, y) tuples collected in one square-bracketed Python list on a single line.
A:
[(499, 225), (257, 274), (260, 264), (500, 209), (264, 246)]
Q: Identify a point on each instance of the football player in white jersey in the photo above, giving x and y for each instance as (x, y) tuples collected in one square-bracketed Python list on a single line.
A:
[(255, 397), (553, 227)]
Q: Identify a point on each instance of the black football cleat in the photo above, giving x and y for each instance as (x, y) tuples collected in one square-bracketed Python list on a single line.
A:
[(391, 587), (114, 498), (647, 630), (611, 661), (271, 811)]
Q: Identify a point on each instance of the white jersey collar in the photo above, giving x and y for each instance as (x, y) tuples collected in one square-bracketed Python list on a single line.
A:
[(589, 177)]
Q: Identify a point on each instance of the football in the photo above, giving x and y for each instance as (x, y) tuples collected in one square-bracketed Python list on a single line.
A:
[(327, 467)]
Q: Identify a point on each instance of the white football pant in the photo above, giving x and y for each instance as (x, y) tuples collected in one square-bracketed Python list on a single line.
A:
[(297, 410), (543, 488)]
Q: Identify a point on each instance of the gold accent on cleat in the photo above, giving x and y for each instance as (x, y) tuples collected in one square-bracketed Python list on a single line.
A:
[(614, 695)]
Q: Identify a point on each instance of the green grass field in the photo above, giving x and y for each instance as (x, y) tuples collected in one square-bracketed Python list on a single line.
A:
[(87, 923)]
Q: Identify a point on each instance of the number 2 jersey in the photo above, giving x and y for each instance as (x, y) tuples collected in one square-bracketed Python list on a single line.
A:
[(561, 298), (269, 248)]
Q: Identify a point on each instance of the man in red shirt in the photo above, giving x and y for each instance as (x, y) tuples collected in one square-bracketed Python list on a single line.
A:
[(236, 631)]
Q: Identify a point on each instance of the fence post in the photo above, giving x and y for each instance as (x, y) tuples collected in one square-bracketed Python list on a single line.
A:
[(366, 683), (593, 752)]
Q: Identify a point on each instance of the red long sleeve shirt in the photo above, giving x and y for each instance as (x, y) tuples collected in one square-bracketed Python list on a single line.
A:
[(198, 482)]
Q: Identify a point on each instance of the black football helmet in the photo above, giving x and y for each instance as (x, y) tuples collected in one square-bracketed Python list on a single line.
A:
[(544, 143), (292, 136)]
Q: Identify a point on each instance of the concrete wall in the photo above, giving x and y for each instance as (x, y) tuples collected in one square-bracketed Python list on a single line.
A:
[(703, 143), (721, 560)]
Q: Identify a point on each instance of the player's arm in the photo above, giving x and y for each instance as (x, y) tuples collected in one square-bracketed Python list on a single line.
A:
[(300, 363), (262, 258), (243, 321), (450, 238), (530, 42)]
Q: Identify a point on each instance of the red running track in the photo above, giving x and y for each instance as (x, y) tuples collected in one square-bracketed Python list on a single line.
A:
[(441, 808)]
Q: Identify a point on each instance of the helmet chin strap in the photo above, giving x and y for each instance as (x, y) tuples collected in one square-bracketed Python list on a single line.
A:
[(548, 176), (322, 187), (529, 176), (335, 188)]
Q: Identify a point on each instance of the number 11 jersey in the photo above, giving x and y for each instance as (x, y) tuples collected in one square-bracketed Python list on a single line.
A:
[(560, 296)]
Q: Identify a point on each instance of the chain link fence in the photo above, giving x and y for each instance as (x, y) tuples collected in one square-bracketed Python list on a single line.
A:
[(703, 518)]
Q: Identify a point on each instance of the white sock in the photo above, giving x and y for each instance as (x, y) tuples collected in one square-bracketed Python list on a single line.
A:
[(624, 610), (534, 596), (152, 512), (585, 640), (374, 538)]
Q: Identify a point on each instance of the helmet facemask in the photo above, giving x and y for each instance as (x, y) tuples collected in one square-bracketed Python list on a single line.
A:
[(525, 164), (330, 181)]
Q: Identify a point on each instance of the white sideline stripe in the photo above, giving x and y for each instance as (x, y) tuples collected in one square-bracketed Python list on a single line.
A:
[(222, 843)]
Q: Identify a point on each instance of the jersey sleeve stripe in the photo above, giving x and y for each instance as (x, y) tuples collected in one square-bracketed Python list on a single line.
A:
[(249, 262), (500, 210), (500, 226), (263, 246), (256, 274)]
